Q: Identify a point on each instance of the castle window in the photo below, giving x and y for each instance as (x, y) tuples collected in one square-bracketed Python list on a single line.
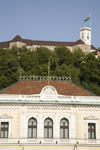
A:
[(64, 128), (4, 129), (88, 36), (82, 36), (48, 128), (32, 128), (91, 131)]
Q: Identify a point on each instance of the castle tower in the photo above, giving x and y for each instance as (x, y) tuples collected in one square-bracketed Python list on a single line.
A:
[(85, 35)]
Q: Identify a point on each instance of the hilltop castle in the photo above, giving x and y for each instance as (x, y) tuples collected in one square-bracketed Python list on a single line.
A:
[(84, 42)]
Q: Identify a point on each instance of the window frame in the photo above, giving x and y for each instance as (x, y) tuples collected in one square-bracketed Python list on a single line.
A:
[(9, 128), (91, 119), (91, 130), (64, 127), (4, 129), (32, 127), (48, 127)]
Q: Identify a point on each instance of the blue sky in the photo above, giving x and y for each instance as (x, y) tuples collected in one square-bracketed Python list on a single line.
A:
[(49, 20)]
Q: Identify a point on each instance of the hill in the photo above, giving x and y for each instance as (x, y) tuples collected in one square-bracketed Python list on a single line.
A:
[(84, 69)]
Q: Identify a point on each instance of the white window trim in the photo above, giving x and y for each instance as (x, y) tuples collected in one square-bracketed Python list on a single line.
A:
[(96, 128), (69, 125), (9, 129), (94, 120), (53, 125), (27, 125)]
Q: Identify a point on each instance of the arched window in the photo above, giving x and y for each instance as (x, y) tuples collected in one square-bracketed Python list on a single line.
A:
[(48, 128), (64, 128), (32, 128)]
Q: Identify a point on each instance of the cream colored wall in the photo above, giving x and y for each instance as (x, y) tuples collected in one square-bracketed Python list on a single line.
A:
[(82, 126), (18, 44), (75, 115)]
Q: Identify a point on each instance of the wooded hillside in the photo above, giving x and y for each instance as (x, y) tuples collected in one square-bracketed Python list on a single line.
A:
[(84, 69)]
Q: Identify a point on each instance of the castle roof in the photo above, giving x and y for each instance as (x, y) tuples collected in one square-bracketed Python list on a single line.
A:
[(29, 42), (35, 87), (78, 42), (17, 38)]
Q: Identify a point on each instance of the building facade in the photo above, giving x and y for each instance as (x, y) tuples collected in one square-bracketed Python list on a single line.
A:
[(84, 42), (42, 115)]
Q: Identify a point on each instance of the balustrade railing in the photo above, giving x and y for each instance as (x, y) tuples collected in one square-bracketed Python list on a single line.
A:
[(51, 78), (52, 97)]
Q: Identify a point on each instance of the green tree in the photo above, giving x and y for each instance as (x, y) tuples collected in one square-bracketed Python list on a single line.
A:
[(43, 55), (79, 56), (89, 70), (64, 55)]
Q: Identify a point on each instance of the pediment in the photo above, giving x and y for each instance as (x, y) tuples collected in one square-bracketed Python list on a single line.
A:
[(48, 90), (91, 118), (5, 116)]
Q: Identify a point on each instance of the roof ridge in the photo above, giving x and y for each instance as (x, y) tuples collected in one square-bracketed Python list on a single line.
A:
[(17, 38), (78, 42), (84, 89)]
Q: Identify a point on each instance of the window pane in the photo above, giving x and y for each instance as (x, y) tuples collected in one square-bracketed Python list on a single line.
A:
[(88, 126), (29, 132), (93, 126), (66, 133), (66, 123), (89, 135), (6, 125), (93, 135), (34, 123), (61, 132), (50, 132), (6, 134), (45, 132), (34, 132), (2, 125), (1, 134), (50, 123)]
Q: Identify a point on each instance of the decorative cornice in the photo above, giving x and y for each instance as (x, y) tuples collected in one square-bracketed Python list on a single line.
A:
[(91, 118), (48, 90), (5, 116)]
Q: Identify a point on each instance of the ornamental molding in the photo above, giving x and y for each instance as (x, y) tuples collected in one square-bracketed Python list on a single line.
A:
[(48, 90), (47, 107), (91, 118), (5, 116)]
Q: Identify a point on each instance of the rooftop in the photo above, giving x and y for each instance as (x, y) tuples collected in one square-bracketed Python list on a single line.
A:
[(35, 87), (29, 42)]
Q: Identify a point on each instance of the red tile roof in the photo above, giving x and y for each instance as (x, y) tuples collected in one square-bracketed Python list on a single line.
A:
[(78, 42), (35, 87)]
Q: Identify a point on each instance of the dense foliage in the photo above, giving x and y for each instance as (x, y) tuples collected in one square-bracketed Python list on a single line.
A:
[(83, 69)]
